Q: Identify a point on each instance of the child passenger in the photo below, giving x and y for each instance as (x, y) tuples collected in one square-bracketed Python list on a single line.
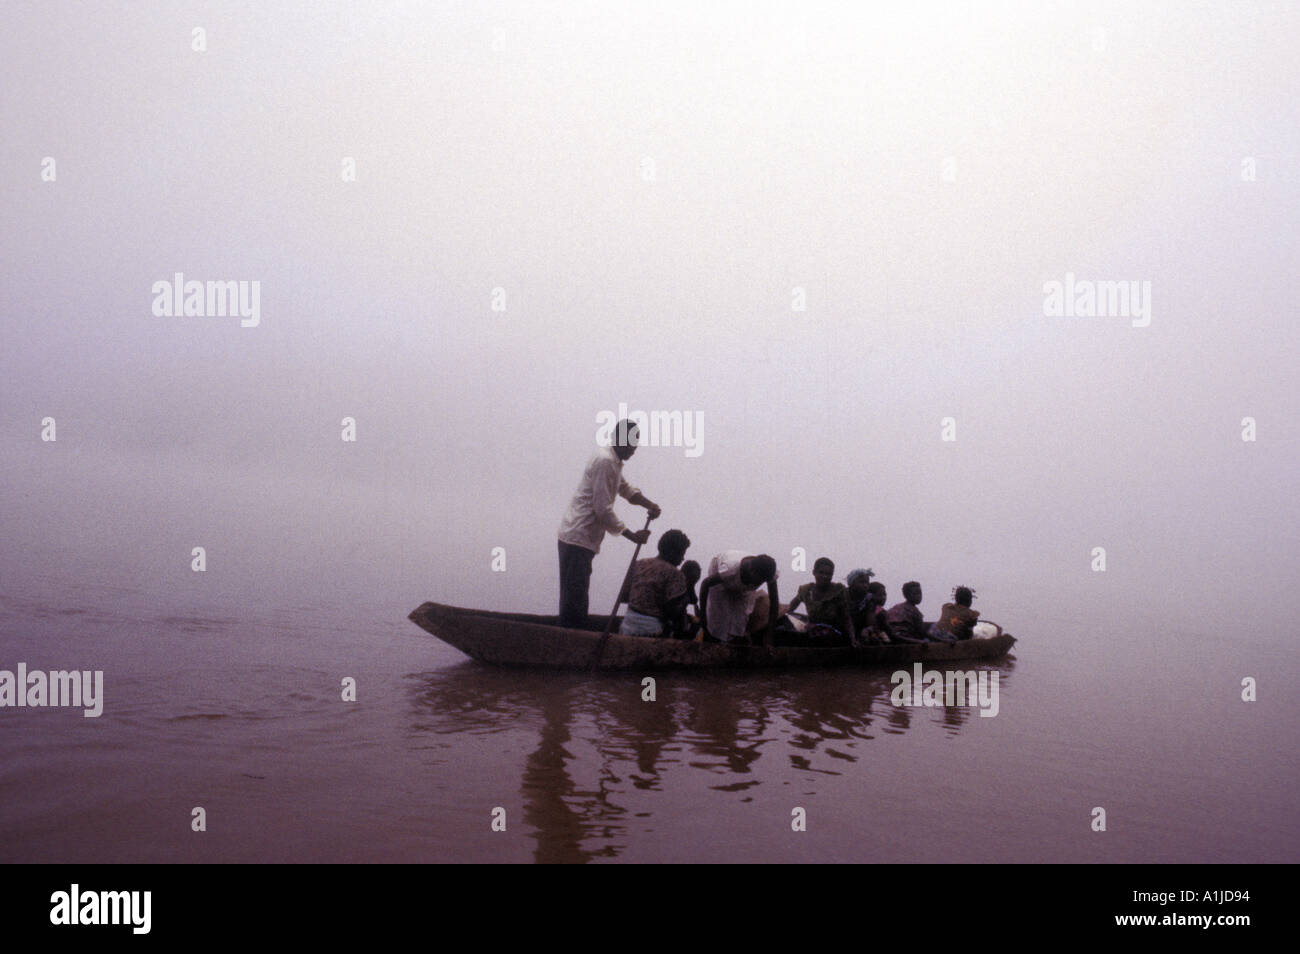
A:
[(957, 621)]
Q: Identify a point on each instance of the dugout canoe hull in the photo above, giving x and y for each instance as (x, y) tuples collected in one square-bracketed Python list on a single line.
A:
[(535, 642)]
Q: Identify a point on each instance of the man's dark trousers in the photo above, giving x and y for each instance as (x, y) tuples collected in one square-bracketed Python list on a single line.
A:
[(575, 580)]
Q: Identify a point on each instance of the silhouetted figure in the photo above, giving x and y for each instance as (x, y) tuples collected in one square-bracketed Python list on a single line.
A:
[(957, 621), (829, 622), (906, 624), (877, 629), (656, 595), (591, 515), (861, 610)]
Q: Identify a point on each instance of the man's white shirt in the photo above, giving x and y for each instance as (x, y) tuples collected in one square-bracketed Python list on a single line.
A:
[(591, 511)]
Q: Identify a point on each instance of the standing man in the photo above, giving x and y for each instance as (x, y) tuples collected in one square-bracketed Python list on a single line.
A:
[(591, 515)]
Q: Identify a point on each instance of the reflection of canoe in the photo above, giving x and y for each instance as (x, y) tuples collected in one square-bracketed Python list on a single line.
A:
[(521, 639)]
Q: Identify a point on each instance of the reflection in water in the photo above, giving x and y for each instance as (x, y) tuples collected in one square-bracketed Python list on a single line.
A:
[(557, 811), (720, 723)]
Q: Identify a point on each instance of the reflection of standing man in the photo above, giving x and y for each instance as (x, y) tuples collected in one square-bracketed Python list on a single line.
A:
[(591, 515)]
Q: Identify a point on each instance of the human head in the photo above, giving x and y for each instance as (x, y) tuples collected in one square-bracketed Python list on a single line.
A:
[(672, 546), (963, 595), (691, 570), (858, 581), (626, 437), (878, 593), (757, 569), (823, 570), (912, 592)]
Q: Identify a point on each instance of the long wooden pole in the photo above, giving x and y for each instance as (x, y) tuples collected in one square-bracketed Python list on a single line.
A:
[(618, 600)]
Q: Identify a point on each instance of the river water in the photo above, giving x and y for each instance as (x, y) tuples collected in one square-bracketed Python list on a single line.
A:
[(239, 710)]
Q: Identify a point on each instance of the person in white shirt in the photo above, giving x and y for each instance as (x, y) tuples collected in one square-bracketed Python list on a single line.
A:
[(733, 580), (591, 515)]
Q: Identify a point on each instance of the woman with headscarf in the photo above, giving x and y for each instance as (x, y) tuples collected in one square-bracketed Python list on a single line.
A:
[(862, 606)]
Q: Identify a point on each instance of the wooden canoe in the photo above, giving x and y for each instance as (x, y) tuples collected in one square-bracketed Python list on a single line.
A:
[(523, 639)]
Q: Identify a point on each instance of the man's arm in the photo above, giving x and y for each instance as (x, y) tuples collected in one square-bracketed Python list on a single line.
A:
[(773, 607), (641, 500), (603, 488), (634, 496), (707, 585)]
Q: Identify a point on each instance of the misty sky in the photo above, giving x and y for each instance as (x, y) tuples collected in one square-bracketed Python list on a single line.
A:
[(649, 185)]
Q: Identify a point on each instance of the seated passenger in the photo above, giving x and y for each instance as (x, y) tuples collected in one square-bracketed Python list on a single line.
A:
[(906, 624), (957, 619), (656, 595), (861, 608), (829, 622), (729, 595), (878, 629)]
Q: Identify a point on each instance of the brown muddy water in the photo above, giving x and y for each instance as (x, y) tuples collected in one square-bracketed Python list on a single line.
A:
[(238, 710)]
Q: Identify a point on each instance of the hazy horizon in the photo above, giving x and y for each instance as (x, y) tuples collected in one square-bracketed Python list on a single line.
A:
[(919, 174)]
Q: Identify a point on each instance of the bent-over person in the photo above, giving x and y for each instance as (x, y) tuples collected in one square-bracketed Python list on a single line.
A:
[(729, 594)]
